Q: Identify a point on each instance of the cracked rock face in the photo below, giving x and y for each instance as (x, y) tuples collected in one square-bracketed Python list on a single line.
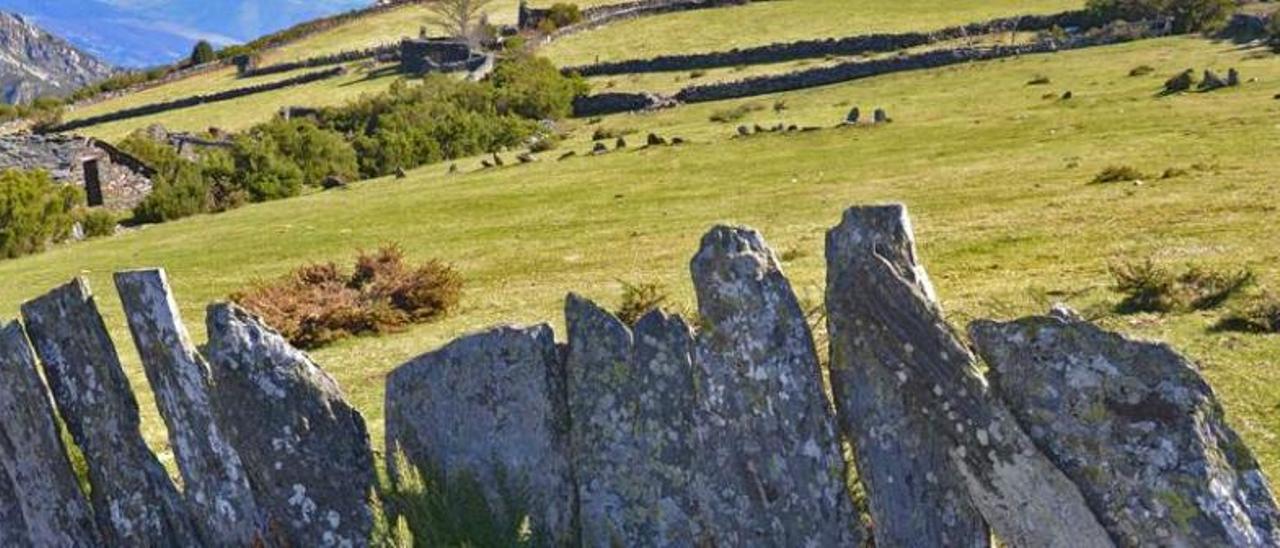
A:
[(632, 400), (214, 481), (915, 493), (491, 408), (304, 448), (1136, 427), (771, 468), (134, 501)]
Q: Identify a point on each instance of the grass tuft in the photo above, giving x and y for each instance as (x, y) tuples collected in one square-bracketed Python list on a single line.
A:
[(1148, 287), (640, 299), (1117, 174)]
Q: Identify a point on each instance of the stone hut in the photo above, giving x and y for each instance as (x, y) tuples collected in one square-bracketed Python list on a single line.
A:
[(420, 56), (109, 177)]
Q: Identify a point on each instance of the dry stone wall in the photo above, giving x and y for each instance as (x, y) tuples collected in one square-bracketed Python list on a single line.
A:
[(657, 434)]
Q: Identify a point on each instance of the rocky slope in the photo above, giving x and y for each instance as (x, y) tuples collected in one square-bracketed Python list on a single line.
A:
[(34, 62)]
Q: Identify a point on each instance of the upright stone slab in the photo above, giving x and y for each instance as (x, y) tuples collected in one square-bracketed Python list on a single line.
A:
[(771, 465), (1136, 427), (215, 485), (491, 407), (632, 401), (44, 488), (916, 495), (304, 448), (133, 499), (1023, 497)]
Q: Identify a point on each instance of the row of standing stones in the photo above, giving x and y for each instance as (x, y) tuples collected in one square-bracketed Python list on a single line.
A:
[(654, 435)]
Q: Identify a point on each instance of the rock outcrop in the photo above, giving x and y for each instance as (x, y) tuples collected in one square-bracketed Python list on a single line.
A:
[(34, 63), (1136, 427)]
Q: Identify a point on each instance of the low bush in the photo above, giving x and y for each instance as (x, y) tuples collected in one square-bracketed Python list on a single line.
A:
[(1262, 315), (1141, 70), (640, 299), (559, 16), (1117, 174), (97, 222), (34, 211), (532, 87), (1148, 287), (1039, 80), (609, 134), (320, 303), (1187, 15), (440, 510)]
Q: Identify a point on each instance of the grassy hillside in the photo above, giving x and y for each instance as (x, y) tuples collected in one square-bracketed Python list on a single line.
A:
[(787, 20), (995, 175)]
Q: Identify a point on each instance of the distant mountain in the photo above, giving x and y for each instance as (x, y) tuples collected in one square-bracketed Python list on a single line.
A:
[(141, 33), (34, 62)]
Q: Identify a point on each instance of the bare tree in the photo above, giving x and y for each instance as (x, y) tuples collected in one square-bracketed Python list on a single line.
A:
[(458, 18)]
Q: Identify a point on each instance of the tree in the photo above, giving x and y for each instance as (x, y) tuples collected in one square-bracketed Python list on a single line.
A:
[(1188, 15), (203, 53), (458, 18)]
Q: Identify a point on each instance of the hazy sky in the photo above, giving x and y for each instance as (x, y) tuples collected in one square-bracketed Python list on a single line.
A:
[(150, 32)]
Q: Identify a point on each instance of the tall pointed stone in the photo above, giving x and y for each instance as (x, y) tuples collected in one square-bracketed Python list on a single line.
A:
[(633, 441), (44, 487), (880, 294), (134, 501), (214, 482), (491, 408), (916, 495), (1136, 427), (305, 450), (771, 465)]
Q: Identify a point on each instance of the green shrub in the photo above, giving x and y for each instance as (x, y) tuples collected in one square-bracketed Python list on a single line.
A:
[(34, 211), (319, 153), (179, 188), (97, 222), (320, 303), (1145, 286), (639, 299), (1188, 15), (1117, 174), (263, 171), (562, 14), (1150, 288), (532, 87), (203, 53), (1262, 315), (454, 511)]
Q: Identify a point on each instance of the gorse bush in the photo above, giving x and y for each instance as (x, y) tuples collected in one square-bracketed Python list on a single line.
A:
[(34, 211), (532, 87), (316, 152), (1148, 287), (1187, 15), (96, 223), (1117, 174), (320, 303), (640, 299), (1262, 315)]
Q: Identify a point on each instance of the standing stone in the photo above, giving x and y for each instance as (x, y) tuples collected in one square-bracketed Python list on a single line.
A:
[(44, 493), (881, 292), (1136, 427), (304, 448), (881, 116), (853, 117), (491, 408), (772, 472), (133, 499), (916, 495), (214, 481), (1233, 77), (633, 433)]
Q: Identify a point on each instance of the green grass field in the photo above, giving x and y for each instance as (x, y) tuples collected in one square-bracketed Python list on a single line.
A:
[(780, 21), (995, 176)]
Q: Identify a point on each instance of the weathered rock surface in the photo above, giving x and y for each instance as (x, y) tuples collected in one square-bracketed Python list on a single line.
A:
[(305, 450), (133, 499), (1136, 427), (43, 505), (632, 402), (214, 481), (771, 468), (882, 292), (916, 495), (491, 407)]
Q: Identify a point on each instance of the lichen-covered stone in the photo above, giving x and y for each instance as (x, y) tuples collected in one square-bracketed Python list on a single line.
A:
[(491, 408), (1136, 427), (214, 482), (632, 401), (134, 501), (770, 465), (44, 490), (304, 448), (916, 495), (881, 292)]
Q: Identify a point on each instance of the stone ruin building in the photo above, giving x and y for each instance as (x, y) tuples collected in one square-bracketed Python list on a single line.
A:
[(110, 178), (419, 56)]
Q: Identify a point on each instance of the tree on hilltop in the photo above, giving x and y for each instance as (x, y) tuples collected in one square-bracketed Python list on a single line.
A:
[(458, 18), (203, 53)]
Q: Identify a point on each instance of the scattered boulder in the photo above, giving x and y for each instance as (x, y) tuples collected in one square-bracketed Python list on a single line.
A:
[(1211, 81), (485, 164), (881, 291), (566, 156), (1180, 83), (527, 158), (655, 140), (757, 128), (133, 499), (491, 408), (304, 448), (333, 182), (881, 117), (600, 148), (853, 117), (1136, 427), (453, 168), (621, 143), (675, 141), (1233, 77), (793, 128), (43, 505), (1068, 95), (771, 467), (744, 131), (400, 173), (497, 160)]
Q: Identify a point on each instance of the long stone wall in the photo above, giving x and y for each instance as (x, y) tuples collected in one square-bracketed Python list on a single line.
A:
[(390, 51), (599, 16), (177, 104), (669, 432)]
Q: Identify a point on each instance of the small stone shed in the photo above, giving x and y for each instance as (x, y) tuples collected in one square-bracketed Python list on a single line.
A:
[(420, 56), (109, 177)]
